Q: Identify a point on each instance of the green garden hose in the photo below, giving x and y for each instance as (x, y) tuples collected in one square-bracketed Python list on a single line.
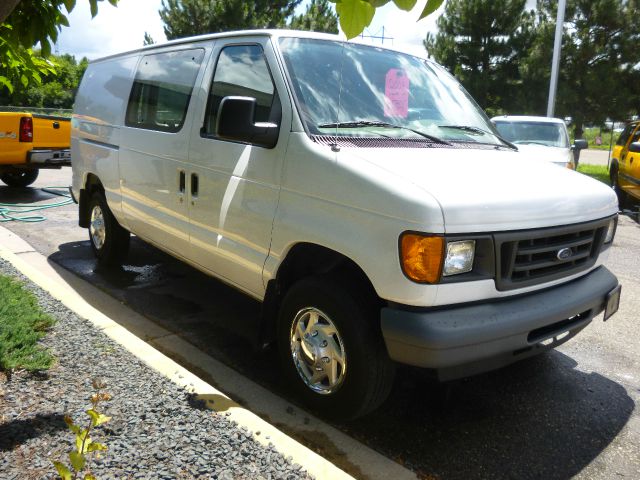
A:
[(10, 212)]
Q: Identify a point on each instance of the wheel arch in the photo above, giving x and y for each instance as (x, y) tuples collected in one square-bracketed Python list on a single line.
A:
[(303, 260)]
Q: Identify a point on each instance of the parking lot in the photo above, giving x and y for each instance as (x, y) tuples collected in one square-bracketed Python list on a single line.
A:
[(568, 413)]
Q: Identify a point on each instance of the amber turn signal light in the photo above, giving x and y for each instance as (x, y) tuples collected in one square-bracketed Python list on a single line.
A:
[(421, 257)]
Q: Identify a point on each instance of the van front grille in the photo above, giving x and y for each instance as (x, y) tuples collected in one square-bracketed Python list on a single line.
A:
[(536, 256)]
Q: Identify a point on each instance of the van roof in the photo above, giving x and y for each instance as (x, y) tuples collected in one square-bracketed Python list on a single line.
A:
[(244, 33)]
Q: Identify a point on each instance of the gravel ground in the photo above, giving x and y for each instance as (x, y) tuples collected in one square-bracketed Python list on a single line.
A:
[(157, 429)]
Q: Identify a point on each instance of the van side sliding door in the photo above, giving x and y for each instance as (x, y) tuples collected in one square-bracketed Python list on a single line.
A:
[(155, 140), (234, 201)]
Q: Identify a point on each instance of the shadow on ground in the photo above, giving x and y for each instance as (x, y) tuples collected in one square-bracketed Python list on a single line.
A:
[(26, 195), (540, 418), (17, 432), (633, 213)]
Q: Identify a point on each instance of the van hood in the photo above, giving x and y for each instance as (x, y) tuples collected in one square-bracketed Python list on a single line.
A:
[(495, 190), (542, 153)]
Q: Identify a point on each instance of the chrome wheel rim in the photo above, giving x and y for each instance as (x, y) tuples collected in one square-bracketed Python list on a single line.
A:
[(97, 230), (317, 350)]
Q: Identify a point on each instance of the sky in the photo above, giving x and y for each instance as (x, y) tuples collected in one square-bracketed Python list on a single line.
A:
[(116, 30)]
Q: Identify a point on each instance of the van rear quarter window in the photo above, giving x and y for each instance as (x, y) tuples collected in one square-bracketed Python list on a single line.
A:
[(162, 89)]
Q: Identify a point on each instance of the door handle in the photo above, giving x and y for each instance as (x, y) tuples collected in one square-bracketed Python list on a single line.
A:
[(631, 160), (182, 184), (194, 187)]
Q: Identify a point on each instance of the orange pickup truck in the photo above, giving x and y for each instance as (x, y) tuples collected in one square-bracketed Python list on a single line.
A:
[(29, 142)]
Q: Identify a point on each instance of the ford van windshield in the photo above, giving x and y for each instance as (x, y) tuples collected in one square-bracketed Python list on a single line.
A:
[(354, 90)]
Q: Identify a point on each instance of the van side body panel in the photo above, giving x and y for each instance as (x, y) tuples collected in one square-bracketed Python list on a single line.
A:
[(354, 208), (152, 162), (96, 126)]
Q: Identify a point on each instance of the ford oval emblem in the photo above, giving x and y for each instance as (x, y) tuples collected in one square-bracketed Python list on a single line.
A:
[(564, 253)]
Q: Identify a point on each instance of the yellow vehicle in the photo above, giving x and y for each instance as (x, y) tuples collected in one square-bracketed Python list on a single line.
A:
[(29, 142), (625, 165)]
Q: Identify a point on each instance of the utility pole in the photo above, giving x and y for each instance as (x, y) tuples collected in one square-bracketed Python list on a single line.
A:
[(555, 63)]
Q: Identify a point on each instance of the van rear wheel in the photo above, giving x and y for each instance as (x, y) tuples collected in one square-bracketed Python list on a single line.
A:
[(20, 179), (331, 348), (109, 241)]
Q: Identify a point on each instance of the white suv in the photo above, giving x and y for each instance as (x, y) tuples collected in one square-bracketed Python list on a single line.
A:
[(357, 191)]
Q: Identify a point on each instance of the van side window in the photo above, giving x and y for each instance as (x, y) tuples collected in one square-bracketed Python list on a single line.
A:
[(162, 88), (242, 70)]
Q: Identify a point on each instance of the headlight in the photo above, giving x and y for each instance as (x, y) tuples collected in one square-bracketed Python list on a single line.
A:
[(427, 258), (611, 230), (459, 257), (421, 257)]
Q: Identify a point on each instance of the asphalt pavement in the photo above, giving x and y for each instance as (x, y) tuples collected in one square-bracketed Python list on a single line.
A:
[(594, 157), (568, 413)]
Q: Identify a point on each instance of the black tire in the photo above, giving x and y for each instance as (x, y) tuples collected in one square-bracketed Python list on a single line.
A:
[(368, 376), (20, 179), (109, 241), (623, 198)]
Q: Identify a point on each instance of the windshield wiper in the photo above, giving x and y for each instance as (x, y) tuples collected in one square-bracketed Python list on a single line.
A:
[(470, 129), (370, 123)]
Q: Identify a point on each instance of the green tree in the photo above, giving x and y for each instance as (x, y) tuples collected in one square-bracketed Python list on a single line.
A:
[(599, 76), (183, 18), (148, 39), (25, 23), (56, 90), (319, 17), (482, 42)]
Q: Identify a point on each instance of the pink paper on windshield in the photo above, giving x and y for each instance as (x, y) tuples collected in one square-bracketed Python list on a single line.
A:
[(396, 93)]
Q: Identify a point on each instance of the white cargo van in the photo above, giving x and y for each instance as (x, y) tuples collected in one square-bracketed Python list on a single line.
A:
[(357, 191)]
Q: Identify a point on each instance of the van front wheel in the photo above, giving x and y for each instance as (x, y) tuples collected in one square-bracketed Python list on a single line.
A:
[(109, 241), (331, 348)]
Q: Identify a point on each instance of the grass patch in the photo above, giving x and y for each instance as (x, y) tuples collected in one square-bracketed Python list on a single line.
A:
[(590, 135), (599, 172), (22, 325)]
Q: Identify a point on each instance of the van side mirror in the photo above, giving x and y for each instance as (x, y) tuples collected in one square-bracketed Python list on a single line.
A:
[(634, 147), (579, 144), (235, 122)]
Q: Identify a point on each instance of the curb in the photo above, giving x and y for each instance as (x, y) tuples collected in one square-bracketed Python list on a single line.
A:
[(35, 266)]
